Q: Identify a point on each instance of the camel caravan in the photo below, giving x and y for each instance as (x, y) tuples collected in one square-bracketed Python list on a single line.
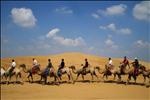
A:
[(132, 70)]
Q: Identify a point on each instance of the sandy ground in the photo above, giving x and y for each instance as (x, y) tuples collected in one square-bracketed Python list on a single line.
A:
[(81, 90), (77, 91)]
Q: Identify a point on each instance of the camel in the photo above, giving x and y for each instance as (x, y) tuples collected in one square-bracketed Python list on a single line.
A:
[(123, 71), (91, 70), (8, 75), (65, 70), (130, 73), (107, 72), (30, 72), (146, 73), (3, 73), (52, 73)]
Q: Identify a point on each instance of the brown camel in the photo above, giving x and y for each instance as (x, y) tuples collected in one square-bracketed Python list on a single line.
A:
[(130, 72), (30, 72), (107, 72), (91, 70), (51, 73), (145, 73)]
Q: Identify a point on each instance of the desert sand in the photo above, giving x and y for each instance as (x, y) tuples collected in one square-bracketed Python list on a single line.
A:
[(81, 90)]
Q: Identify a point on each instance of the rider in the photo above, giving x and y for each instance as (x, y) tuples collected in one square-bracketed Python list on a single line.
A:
[(49, 66), (35, 65), (61, 66), (86, 65), (136, 66), (110, 63), (109, 66), (124, 63), (13, 66)]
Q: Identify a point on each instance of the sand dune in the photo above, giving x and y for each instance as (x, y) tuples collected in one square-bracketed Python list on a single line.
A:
[(82, 90)]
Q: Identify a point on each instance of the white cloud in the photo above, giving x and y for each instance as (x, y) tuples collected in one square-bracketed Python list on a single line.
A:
[(53, 32), (114, 10), (141, 11), (125, 31), (69, 42), (110, 43), (112, 27), (96, 16), (79, 41), (64, 10), (23, 17), (142, 44)]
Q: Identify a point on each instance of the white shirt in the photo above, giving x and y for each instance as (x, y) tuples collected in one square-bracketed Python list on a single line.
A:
[(110, 62), (35, 62), (13, 64)]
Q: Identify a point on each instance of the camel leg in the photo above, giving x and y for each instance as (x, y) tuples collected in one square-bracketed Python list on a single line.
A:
[(21, 78), (16, 77), (92, 77), (68, 77), (77, 77), (134, 77), (119, 77), (71, 77), (45, 79), (60, 77), (104, 76), (144, 78), (96, 76), (28, 77), (83, 77), (9, 79), (56, 78), (149, 78), (41, 79), (31, 77), (5, 76), (129, 78)]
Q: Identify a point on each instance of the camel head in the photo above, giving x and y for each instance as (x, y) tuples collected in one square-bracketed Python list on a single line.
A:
[(23, 66), (97, 67), (72, 67), (142, 67), (2, 68)]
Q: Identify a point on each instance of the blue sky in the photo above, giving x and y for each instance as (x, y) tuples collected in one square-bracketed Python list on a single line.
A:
[(103, 28)]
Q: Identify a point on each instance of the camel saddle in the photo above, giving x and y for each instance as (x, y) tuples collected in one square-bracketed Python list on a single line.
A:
[(34, 70)]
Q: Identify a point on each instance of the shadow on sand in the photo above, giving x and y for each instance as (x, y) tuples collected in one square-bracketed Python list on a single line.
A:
[(52, 83), (12, 82), (124, 83)]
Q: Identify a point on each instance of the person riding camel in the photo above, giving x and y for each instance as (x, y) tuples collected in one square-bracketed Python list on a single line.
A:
[(136, 66), (124, 63), (85, 66), (61, 66), (109, 67), (49, 67), (13, 66), (35, 65)]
